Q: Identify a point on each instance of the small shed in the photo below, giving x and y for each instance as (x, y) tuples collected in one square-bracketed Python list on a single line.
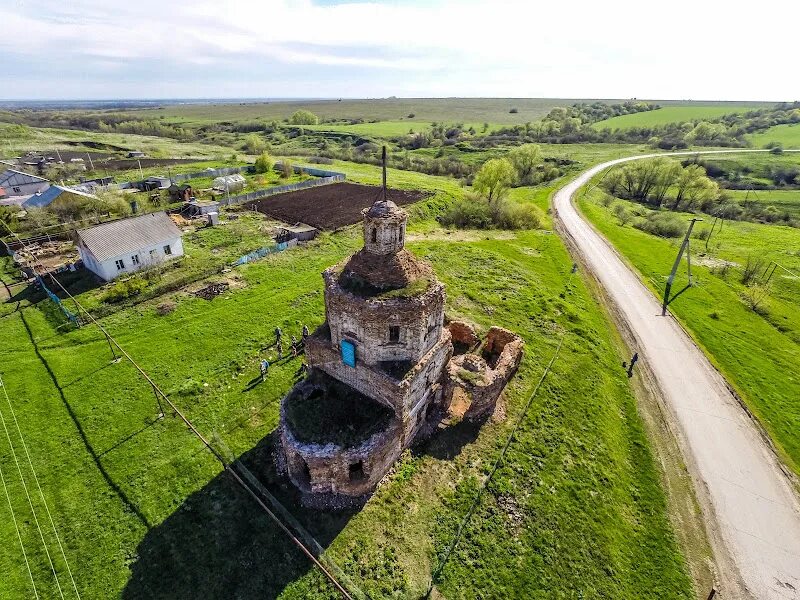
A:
[(300, 232), (199, 208), (156, 183), (135, 154), (230, 183), (180, 193)]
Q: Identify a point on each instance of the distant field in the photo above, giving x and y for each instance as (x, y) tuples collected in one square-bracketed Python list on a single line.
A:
[(787, 135), (462, 110), (674, 114), (19, 138), (788, 200), (379, 129)]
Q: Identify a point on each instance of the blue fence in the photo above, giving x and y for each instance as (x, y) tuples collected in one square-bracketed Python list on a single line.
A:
[(262, 252), (71, 316)]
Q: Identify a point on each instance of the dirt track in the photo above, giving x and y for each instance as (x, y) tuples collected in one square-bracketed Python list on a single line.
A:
[(328, 206), (748, 501)]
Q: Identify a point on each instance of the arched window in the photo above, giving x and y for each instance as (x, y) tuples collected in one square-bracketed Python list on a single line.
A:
[(374, 235)]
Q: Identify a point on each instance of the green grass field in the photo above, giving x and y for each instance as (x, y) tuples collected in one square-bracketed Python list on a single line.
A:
[(472, 110), (673, 114), (577, 509), (758, 353), (786, 135), (17, 139), (783, 200)]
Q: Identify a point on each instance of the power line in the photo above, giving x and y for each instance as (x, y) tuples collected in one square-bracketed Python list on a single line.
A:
[(38, 485), (19, 535), (30, 502), (462, 525), (225, 463)]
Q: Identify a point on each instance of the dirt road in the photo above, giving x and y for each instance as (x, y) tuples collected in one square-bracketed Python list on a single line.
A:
[(748, 501)]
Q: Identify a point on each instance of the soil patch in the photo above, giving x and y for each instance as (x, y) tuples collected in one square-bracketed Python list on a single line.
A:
[(329, 206), (212, 290)]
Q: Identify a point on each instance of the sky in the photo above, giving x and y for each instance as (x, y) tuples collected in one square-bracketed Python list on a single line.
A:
[(106, 49)]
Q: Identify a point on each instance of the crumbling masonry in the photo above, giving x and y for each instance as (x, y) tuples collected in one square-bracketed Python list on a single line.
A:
[(382, 367)]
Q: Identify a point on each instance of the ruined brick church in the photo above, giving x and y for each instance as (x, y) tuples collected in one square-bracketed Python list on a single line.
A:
[(382, 366)]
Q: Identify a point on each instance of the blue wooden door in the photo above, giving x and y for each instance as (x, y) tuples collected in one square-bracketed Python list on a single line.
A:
[(348, 353)]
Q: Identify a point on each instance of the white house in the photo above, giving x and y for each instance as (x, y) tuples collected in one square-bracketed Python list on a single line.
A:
[(17, 183), (127, 245)]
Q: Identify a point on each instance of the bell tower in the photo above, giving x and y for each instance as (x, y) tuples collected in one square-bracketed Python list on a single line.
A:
[(384, 223)]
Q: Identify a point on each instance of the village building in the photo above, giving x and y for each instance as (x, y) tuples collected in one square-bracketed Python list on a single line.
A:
[(54, 194), (379, 368), (127, 245), (18, 183)]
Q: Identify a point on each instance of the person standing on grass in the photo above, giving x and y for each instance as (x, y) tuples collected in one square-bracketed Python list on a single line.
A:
[(305, 332), (294, 347), (278, 335), (264, 369)]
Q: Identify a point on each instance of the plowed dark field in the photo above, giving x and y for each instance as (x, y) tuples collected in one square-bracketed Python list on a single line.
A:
[(328, 206)]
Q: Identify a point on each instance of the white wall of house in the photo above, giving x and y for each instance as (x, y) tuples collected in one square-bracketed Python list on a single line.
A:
[(129, 263)]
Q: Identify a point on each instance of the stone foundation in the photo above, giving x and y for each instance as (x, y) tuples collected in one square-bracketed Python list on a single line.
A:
[(474, 382)]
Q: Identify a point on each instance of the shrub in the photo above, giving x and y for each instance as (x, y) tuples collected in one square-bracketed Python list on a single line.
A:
[(513, 111), (263, 163), (254, 144), (752, 268), (468, 213), (662, 224), (304, 117), (123, 290), (513, 215), (622, 213), (411, 115), (286, 169)]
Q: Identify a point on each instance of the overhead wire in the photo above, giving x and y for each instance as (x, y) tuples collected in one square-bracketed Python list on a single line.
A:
[(19, 535), (225, 463), (38, 485), (30, 502)]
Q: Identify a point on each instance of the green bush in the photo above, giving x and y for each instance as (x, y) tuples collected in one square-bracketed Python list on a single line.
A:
[(123, 290), (264, 163), (513, 215), (663, 224), (467, 213), (304, 117)]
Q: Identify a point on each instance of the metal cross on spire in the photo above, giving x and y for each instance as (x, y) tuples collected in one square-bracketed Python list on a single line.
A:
[(383, 161)]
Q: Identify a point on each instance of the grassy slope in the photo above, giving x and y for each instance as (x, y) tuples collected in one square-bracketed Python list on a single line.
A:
[(576, 510), (788, 200), (759, 355), (17, 139), (786, 135), (670, 114)]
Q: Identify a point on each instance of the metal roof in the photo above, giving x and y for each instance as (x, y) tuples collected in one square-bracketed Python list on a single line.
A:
[(50, 195), (131, 235), (12, 177)]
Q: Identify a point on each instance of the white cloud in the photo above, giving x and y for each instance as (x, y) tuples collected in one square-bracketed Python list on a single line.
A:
[(581, 49)]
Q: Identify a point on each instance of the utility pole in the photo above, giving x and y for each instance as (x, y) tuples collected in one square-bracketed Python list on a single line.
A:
[(140, 168), (91, 164), (671, 278), (383, 160)]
